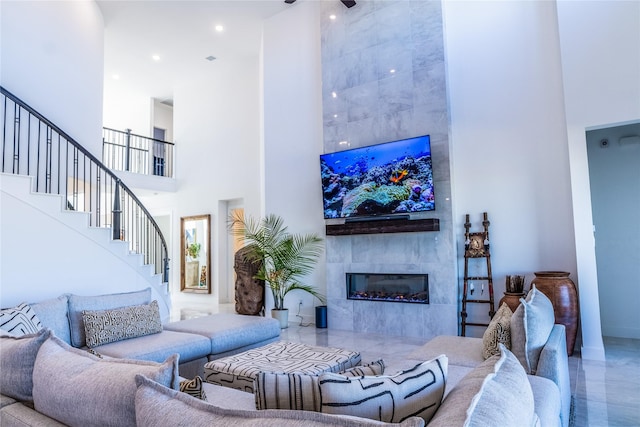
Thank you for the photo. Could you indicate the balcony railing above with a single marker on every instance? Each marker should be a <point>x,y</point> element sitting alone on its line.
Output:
<point>32,145</point>
<point>126,151</point>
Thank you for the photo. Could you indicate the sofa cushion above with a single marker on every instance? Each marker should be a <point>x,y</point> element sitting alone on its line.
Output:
<point>157,347</point>
<point>497,392</point>
<point>228,331</point>
<point>414,392</point>
<point>547,401</point>
<point>19,320</point>
<point>79,389</point>
<point>531,325</point>
<point>460,351</point>
<point>158,405</point>
<point>498,332</point>
<point>53,314</point>
<point>105,326</point>
<point>79,303</point>
<point>193,388</point>
<point>300,391</point>
<point>17,357</point>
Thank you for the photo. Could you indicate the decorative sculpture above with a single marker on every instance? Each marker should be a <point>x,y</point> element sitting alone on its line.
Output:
<point>249,290</point>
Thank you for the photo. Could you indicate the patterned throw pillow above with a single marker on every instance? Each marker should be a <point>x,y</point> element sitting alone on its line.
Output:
<point>300,391</point>
<point>105,326</point>
<point>193,388</point>
<point>414,392</point>
<point>498,332</point>
<point>20,320</point>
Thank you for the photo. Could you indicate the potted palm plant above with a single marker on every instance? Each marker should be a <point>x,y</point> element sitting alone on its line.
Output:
<point>286,258</point>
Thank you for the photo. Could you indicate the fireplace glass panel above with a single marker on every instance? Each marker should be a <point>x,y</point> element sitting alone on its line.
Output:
<point>407,288</point>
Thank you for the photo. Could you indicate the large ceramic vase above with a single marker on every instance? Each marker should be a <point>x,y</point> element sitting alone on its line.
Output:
<point>512,299</point>
<point>563,295</point>
<point>281,316</point>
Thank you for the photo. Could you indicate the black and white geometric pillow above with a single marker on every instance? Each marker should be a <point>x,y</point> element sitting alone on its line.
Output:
<point>416,392</point>
<point>193,388</point>
<point>300,391</point>
<point>20,320</point>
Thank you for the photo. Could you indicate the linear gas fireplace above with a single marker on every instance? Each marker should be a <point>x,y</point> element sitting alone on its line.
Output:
<point>408,288</point>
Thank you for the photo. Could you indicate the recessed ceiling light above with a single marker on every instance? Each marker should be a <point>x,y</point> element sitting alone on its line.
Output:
<point>332,17</point>
<point>115,76</point>
<point>156,57</point>
<point>343,143</point>
<point>334,95</point>
<point>393,70</point>
<point>335,116</point>
<point>210,58</point>
<point>219,28</point>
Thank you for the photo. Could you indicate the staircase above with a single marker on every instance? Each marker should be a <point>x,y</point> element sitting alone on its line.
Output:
<point>67,223</point>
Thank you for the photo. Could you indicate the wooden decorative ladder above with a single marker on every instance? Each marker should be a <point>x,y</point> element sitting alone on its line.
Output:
<point>476,247</point>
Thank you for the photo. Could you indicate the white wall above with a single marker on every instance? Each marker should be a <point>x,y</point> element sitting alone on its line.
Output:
<point>125,108</point>
<point>510,156</point>
<point>52,58</point>
<point>216,122</point>
<point>600,46</point>
<point>293,131</point>
<point>47,252</point>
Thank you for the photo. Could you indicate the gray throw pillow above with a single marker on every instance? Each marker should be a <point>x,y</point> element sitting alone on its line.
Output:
<point>53,314</point>
<point>17,357</point>
<point>531,325</point>
<point>157,405</point>
<point>79,389</point>
<point>300,391</point>
<point>414,392</point>
<point>19,320</point>
<point>105,326</point>
<point>496,392</point>
<point>79,303</point>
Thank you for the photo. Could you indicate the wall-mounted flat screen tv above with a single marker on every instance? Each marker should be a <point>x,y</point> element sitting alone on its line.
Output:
<point>385,179</point>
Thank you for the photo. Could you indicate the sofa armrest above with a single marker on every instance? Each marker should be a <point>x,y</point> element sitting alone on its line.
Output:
<point>554,365</point>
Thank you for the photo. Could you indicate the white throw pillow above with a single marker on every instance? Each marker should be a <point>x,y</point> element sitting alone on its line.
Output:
<point>531,325</point>
<point>496,392</point>
<point>414,392</point>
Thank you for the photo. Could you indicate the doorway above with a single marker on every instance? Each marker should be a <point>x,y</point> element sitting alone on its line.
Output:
<point>614,176</point>
<point>233,243</point>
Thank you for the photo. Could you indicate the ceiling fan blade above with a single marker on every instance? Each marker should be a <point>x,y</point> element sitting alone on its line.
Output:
<point>348,3</point>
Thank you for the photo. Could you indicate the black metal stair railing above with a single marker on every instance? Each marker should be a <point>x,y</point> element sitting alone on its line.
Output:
<point>126,151</point>
<point>32,145</point>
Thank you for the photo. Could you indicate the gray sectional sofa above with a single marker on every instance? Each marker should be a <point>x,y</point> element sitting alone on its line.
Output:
<point>527,385</point>
<point>197,341</point>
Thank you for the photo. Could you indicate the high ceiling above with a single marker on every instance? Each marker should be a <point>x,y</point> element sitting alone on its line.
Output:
<point>182,34</point>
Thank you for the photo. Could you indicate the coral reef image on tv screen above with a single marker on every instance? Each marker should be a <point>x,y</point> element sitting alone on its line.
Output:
<point>391,178</point>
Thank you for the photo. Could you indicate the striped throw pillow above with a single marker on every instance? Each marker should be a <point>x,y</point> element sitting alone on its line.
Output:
<point>300,391</point>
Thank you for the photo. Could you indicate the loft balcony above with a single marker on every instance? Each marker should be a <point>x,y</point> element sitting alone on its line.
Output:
<point>147,163</point>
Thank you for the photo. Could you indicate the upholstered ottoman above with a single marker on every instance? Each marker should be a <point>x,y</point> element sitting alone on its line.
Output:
<point>280,357</point>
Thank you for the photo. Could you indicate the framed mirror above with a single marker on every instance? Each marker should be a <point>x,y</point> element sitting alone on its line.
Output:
<point>195,254</point>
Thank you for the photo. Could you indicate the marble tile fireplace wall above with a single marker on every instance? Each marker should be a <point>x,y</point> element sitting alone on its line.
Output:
<point>383,76</point>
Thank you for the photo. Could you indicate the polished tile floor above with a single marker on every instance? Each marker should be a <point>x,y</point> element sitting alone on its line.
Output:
<point>605,393</point>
